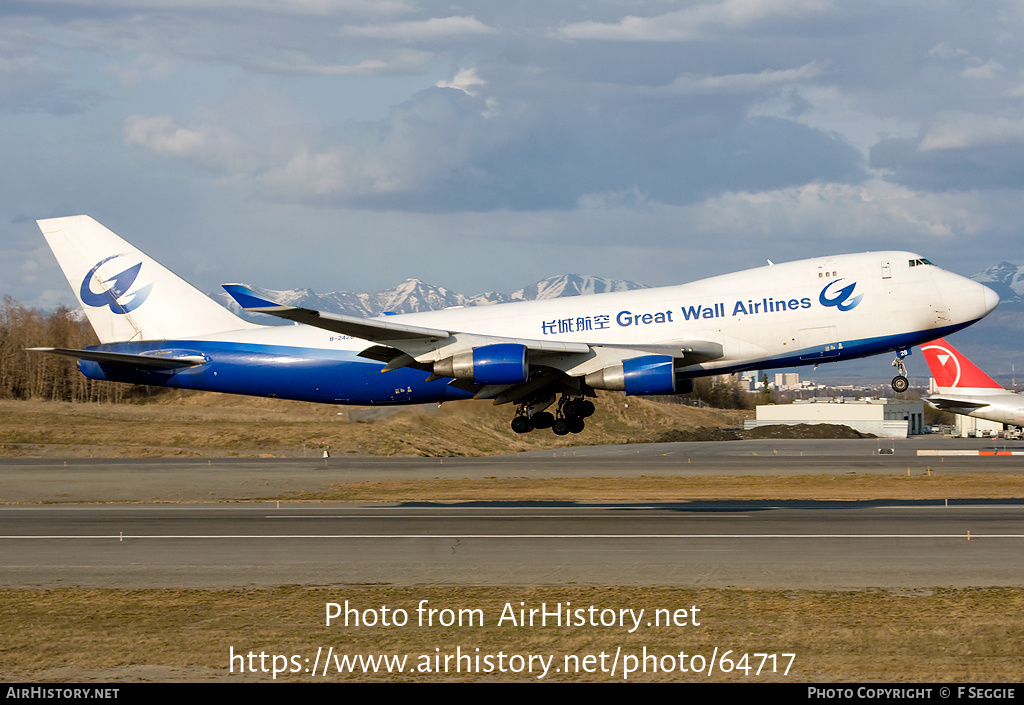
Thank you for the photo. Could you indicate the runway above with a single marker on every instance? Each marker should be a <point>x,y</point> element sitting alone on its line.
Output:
<point>769,545</point>
<point>750,544</point>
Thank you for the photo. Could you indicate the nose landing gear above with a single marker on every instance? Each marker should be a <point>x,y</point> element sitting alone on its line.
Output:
<point>900,383</point>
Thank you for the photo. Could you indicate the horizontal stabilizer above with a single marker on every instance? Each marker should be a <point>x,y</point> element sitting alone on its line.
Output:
<point>151,361</point>
<point>941,402</point>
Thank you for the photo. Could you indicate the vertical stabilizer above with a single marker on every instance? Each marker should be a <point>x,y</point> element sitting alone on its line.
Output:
<point>127,295</point>
<point>952,371</point>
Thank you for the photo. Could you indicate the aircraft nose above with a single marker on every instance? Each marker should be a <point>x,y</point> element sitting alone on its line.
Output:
<point>991,299</point>
<point>968,300</point>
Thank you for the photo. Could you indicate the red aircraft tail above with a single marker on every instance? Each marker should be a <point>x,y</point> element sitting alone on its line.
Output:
<point>952,370</point>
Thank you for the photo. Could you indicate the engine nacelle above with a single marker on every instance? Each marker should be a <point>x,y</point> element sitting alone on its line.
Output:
<point>649,374</point>
<point>502,363</point>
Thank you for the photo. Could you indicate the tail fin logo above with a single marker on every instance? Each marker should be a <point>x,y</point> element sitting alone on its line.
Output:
<point>117,287</point>
<point>947,370</point>
<point>843,299</point>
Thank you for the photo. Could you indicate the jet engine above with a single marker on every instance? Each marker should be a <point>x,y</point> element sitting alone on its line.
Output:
<point>502,363</point>
<point>649,374</point>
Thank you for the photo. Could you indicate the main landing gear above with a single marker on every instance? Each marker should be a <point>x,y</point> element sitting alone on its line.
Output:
<point>900,383</point>
<point>567,419</point>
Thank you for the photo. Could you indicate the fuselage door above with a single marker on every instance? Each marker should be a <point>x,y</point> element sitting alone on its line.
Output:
<point>886,271</point>
<point>818,343</point>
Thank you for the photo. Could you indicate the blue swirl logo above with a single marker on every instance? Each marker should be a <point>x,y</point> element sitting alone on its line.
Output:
<point>843,299</point>
<point>117,287</point>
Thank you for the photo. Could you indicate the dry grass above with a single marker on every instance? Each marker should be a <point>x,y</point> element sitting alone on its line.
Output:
<point>215,425</point>
<point>874,635</point>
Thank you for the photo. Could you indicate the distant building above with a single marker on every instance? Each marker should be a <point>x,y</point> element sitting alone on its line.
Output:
<point>971,427</point>
<point>787,380</point>
<point>886,418</point>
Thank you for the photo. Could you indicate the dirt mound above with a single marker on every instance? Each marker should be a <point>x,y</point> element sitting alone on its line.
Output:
<point>704,433</point>
<point>805,430</point>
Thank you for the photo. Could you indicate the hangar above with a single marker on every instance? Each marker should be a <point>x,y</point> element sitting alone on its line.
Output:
<point>886,418</point>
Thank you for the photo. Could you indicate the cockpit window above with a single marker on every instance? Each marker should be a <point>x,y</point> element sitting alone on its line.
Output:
<point>919,262</point>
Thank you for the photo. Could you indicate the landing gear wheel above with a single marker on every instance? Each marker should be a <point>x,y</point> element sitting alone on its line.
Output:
<point>900,383</point>
<point>560,427</point>
<point>587,408</point>
<point>521,424</point>
<point>543,419</point>
<point>575,424</point>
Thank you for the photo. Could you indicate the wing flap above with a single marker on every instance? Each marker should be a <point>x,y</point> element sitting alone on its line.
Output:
<point>690,351</point>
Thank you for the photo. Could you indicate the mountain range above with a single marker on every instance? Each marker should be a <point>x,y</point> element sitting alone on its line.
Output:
<point>414,295</point>
<point>1005,279</point>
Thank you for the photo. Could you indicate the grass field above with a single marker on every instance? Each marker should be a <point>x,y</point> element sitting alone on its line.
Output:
<point>218,425</point>
<point>941,635</point>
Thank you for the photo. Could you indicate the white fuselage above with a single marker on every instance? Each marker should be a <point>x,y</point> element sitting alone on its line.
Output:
<point>1001,406</point>
<point>780,315</point>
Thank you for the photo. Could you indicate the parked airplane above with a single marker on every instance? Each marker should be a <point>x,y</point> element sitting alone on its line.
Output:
<point>154,328</point>
<point>964,389</point>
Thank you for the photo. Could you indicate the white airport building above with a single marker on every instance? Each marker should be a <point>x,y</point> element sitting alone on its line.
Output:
<point>971,427</point>
<point>885,418</point>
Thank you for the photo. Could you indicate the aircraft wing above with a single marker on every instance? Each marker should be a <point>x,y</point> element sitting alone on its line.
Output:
<point>942,402</point>
<point>151,361</point>
<point>404,345</point>
<point>379,331</point>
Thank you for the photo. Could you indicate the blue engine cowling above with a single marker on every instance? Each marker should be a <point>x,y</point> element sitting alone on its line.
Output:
<point>502,363</point>
<point>650,374</point>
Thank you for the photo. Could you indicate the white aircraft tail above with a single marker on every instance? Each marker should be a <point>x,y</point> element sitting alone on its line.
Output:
<point>127,295</point>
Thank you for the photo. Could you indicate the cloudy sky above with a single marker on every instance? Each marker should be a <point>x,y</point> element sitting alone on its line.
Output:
<point>350,144</point>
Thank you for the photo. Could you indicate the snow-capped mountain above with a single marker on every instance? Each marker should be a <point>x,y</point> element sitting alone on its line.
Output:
<point>1005,279</point>
<point>414,295</point>
<point>571,285</point>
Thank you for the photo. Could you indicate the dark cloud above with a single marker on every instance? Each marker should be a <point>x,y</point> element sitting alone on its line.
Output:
<point>966,168</point>
<point>447,150</point>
